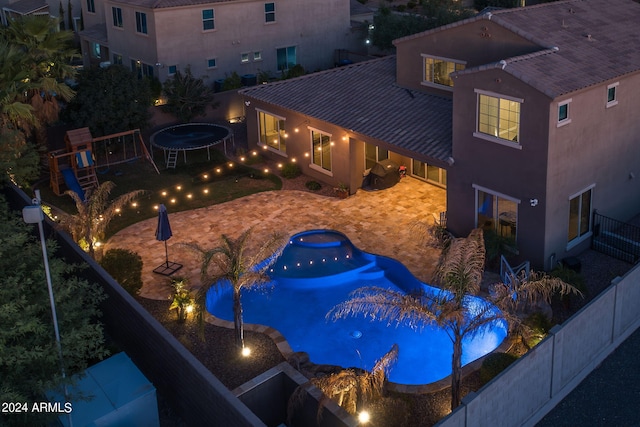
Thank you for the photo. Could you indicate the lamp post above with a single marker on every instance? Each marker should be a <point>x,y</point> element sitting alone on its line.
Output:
<point>31,215</point>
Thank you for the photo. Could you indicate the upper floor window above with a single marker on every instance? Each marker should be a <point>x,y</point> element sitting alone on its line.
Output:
<point>286,57</point>
<point>498,118</point>
<point>321,150</point>
<point>257,56</point>
<point>437,71</point>
<point>563,113</point>
<point>117,16</point>
<point>244,57</point>
<point>91,6</point>
<point>612,95</point>
<point>141,22</point>
<point>580,215</point>
<point>269,12</point>
<point>271,131</point>
<point>207,20</point>
<point>211,63</point>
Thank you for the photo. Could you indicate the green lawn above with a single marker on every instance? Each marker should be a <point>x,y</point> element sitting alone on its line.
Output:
<point>197,184</point>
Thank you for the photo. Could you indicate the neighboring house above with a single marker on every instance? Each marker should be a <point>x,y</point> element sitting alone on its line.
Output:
<point>12,9</point>
<point>215,38</point>
<point>528,116</point>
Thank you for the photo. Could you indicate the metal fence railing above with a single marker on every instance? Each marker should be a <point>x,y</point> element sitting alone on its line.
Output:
<point>615,238</point>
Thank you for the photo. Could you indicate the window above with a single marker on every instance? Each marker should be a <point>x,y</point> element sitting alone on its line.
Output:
<point>580,215</point>
<point>117,59</point>
<point>496,212</point>
<point>428,172</point>
<point>207,20</point>
<point>269,12</point>
<point>141,68</point>
<point>499,118</point>
<point>91,6</point>
<point>321,150</point>
<point>437,71</point>
<point>96,50</point>
<point>373,155</point>
<point>172,69</point>
<point>563,113</point>
<point>211,63</point>
<point>286,57</point>
<point>257,56</point>
<point>141,22</point>
<point>117,16</point>
<point>244,57</point>
<point>612,96</point>
<point>271,129</point>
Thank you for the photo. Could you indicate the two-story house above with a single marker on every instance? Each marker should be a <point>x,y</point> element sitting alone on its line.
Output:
<point>215,38</point>
<point>527,116</point>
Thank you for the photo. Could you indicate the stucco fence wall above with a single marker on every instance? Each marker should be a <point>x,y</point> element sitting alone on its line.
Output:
<point>192,389</point>
<point>525,392</point>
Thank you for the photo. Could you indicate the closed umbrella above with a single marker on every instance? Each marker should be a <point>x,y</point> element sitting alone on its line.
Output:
<point>163,233</point>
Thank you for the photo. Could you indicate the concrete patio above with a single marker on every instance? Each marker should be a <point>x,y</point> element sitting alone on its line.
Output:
<point>377,222</point>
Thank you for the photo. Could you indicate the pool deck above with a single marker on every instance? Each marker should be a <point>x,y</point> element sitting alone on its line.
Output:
<point>376,222</point>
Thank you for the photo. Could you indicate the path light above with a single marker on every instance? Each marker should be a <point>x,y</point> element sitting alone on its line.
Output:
<point>364,417</point>
<point>173,200</point>
<point>206,191</point>
<point>205,176</point>
<point>164,193</point>
<point>189,196</point>
<point>179,187</point>
<point>246,351</point>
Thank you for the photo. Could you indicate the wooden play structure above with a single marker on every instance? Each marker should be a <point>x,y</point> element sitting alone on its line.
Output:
<point>76,167</point>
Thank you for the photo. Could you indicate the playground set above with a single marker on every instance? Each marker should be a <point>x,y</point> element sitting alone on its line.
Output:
<point>77,166</point>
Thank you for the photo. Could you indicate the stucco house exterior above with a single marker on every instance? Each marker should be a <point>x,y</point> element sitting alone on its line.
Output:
<point>215,38</point>
<point>528,117</point>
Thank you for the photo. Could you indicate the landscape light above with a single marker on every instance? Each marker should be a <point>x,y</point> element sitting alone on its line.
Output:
<point>364,417</point>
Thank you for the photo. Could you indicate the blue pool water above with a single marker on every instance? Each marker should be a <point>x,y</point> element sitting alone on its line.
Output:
<point>317,270</point>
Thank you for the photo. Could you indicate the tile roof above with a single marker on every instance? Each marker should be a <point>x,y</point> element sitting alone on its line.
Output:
<point>161,4</point>
<point>364,98</point>
<point>96,33</point>
<point>583,43</point>
<point>25,7</point>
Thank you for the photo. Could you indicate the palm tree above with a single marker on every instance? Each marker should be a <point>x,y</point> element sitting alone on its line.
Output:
<point>349,388</point>
<point>235,269</point>
<point>459,274</point>
<point>94,214</point>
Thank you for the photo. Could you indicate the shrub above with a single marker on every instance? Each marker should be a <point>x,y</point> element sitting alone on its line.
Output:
<point>313,185</point>
<point>291,170</point>
<point>125,267</point>
<point>233,81</point>
<point>181,298</point>
<point>493,364</point>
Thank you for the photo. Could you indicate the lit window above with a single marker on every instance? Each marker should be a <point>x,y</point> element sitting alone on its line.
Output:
<point>269,12</point>
<point>429,172</point>
<point>117,16</point>
<point>321,150</point>
<point>612,95</point>
<point>207,20</point>
<point>271,131</point>
<point>498,118</point>
<point>437,71</point>
<point>496,213</point>
<point>373,154</point>
<point>580,214</point>
<point>141,22</point>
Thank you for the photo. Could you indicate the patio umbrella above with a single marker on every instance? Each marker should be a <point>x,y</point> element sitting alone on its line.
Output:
<point>163,233</point>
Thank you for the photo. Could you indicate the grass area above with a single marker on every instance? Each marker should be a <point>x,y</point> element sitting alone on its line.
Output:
<point>198,183</point>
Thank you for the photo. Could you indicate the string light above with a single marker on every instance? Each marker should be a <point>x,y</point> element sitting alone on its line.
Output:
<point>164,193</point>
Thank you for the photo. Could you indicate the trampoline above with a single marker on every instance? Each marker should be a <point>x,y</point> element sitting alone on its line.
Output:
<point>190,136</point>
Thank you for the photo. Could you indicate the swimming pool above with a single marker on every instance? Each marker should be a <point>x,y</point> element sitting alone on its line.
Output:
<point>317,270</point>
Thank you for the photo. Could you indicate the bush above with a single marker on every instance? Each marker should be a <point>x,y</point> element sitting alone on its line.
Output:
<point>291,170</point>
<point>313,185</point>
<point>493,364</point>
<point>125,267</point>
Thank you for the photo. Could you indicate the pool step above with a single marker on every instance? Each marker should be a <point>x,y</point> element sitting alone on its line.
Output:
<point>372,273</point>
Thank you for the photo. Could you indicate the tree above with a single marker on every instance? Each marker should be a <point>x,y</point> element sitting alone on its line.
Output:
<point>29,359</point>
<point>187,96</point>
<point>94,214</point>
<point>459,274</point>
<point>110,100</point>
<point>235,269</point>
<point>349,388</point>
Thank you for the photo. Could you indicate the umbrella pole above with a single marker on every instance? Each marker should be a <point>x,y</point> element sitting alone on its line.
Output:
<point>166,252</point>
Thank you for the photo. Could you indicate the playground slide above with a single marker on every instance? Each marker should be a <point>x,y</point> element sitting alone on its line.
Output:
<point>72,182</point>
